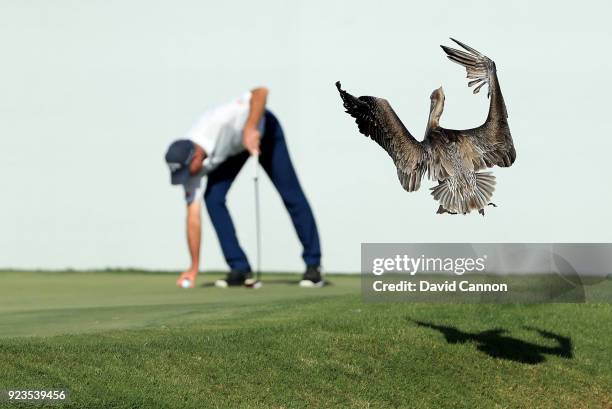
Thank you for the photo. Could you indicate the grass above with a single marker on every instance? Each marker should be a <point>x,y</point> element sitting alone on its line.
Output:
<point>132,340</point>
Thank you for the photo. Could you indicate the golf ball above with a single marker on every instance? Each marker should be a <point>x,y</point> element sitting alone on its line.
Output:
<point>186,283</point>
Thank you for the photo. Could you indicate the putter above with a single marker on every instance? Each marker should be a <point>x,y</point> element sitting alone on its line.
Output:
<point>257,283</point>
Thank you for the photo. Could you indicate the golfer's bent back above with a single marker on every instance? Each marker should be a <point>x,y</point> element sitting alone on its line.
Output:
<point>217,146</point>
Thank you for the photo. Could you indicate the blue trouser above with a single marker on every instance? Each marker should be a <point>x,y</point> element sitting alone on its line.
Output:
<point>275,160</point>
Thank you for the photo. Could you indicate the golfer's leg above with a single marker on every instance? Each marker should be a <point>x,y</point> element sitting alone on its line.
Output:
<point>219,182</point>
<point>277,164</point>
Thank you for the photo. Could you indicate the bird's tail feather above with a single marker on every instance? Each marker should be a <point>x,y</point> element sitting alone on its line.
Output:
<point>464,201</point>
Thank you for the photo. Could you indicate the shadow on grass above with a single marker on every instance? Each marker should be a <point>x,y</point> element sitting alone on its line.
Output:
<point>265,281</point>
<point>497,345</point>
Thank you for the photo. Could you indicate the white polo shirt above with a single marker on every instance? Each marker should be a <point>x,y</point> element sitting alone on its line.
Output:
<point>219,132</point>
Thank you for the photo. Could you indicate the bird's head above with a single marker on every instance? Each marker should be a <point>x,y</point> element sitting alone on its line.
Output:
<point>436,108</point>
<point>437,98</point>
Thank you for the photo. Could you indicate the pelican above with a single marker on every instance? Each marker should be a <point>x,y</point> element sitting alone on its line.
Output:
<point>453,158</point>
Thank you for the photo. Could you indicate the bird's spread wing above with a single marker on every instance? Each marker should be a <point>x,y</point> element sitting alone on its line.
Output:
<point>492,142</point>
<point>479,67</point>
<point>376,119</point>
<point>491,149</point>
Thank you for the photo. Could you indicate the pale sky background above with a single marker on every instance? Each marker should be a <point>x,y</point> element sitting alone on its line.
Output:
<point>91,93</point>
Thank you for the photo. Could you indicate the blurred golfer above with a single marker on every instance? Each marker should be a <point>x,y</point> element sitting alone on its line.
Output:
<point>217,146</point>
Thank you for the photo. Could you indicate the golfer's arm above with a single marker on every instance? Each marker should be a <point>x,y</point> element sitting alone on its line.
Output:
<point>257,106</point>
<point>193,233</point>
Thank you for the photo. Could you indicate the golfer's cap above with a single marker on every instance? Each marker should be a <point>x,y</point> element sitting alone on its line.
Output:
<point>178,158</point>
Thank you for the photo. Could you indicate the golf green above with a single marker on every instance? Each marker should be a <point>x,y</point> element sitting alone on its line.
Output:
<point>133,339</point>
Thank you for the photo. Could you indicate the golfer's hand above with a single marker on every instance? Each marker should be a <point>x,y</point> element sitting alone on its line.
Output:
<point>190,275</point>
<point>250,140</point>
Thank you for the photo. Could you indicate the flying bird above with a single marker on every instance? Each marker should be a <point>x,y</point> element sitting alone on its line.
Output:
<point>453,158</point>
